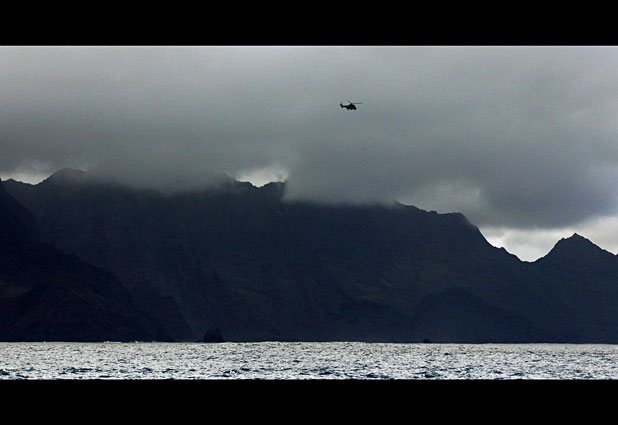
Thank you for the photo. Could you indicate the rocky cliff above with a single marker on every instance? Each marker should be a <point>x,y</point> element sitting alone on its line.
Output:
<point>47,295</point>
<point>258,267</point>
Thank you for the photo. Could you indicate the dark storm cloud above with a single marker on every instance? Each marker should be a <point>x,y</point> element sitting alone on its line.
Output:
<point>509,136</point>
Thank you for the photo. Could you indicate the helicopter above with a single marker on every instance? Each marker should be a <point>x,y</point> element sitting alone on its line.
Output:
<point>351,106</point>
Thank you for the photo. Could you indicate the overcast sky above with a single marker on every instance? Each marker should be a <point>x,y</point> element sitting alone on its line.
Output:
<point>522,140</point>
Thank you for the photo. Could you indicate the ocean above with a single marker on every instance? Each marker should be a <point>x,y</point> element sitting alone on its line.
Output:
<point>305,361</point>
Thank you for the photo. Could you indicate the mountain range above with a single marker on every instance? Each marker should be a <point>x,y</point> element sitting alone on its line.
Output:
<point>254,266</point>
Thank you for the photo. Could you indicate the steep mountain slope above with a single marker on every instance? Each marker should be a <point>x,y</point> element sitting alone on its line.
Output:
<point>258,267</point>
<point>581,290</point>
<point>48,295</point>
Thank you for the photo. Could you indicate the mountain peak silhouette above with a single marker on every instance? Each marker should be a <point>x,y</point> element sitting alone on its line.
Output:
<point>66,175</point>
<point>576,248</point>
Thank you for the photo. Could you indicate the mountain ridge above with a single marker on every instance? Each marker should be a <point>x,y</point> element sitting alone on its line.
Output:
<point>258,267</point>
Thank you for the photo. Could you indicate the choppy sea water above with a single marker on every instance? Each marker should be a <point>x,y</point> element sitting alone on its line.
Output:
<point>298,361</point>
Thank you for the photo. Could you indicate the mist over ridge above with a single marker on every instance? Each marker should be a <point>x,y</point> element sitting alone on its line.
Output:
<point>227,182</point>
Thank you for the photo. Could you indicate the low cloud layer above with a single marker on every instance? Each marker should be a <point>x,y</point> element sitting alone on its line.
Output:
<point>514,137</point>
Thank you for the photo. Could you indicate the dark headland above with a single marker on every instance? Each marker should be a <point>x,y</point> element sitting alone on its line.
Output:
<point>82,260</point>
